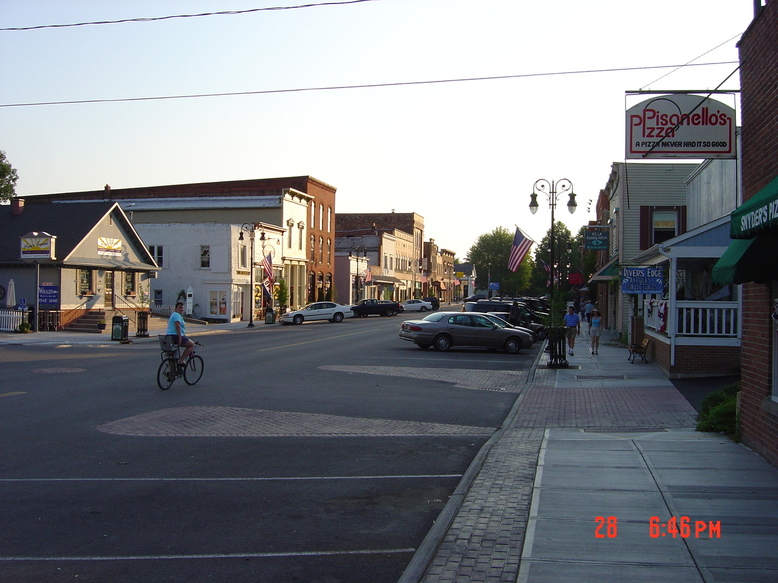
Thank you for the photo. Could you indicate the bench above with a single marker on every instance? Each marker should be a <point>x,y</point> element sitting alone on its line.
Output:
<point>638,350</point>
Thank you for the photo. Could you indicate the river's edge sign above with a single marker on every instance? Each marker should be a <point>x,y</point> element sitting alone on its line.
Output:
<point>642,280</point>
<point>680,126</point>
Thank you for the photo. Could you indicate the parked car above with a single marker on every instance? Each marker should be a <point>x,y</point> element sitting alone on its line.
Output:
<point>364,308</point>
<point>416,305</point>
<point>318,311</point>
<point>475,298</point>
<point>434,301</point>
<point>501,308</point>
<point>444,330</point>
<point>499,319</point>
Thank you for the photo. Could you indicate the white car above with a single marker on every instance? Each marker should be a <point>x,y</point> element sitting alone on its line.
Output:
<point>318,311</point>
<point>416,306</point>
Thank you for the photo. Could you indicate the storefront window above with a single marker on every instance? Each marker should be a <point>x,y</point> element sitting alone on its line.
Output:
<point>85,281</point>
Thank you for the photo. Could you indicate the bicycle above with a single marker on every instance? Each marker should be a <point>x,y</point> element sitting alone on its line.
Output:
<point>169,370</point>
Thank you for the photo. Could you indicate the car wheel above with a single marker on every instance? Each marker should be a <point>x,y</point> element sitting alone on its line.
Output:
<point>423,309</point>
<point>337,317</point>
<point>512,345</point>
<point>298,319</point>
<point>442,342</point>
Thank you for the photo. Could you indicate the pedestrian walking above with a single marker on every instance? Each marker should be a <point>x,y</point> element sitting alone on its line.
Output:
<point>588,310</point>
<point>572,328</point>
<point>595,329</point>
<point>514,314</point>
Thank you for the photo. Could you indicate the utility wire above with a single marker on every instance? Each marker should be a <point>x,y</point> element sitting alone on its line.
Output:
<point>171,17</point>
<point>343,87</point>
<point>692,61</point>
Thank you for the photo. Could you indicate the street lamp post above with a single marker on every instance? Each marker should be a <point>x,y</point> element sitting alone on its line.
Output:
<point>251,229</point>
<point>553,190</point>
<point>354,252</point>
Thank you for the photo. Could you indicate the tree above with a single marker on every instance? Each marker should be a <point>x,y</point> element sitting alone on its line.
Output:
<point>490,254</point>
<point>8,178</point>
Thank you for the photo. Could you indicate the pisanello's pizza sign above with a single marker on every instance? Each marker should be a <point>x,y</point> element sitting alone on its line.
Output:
<point>680,126</point>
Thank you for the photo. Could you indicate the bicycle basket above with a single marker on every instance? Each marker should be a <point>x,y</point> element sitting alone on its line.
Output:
<point>166,342</point>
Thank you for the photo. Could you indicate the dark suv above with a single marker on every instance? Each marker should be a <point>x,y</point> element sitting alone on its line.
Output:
<point>434,301</point>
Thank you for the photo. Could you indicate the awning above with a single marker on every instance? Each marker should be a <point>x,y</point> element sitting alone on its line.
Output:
<point>606,273</point>
<point>758,214</point>
<point>385,279</point>
<point>747,260</point>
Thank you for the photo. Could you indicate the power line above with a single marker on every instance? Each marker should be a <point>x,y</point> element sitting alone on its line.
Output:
<point>694,59</point>
<point>344,87</point>
<point>174,16</point>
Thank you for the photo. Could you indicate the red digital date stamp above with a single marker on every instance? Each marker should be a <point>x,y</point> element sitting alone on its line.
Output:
<point>683,527</point>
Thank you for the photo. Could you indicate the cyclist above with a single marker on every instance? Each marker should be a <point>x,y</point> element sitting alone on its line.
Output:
<point>177,327</point>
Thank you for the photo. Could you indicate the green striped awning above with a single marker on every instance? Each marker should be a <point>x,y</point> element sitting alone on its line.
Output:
<point>747,260</point>
<point>758,214</point>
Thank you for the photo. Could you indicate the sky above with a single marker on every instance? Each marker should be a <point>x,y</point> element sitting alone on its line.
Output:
<point>464,154</point>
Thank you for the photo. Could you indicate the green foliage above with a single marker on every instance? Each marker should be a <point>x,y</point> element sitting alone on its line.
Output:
<point>490,254</point>
<point>718,412</point>
<point>8,178</point>
<point>24,328</point>
<point>281,293</point>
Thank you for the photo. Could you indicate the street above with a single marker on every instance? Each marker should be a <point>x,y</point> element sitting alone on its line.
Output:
<point>321,452</point>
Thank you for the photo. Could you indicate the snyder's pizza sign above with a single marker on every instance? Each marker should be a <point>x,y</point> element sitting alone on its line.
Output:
<point>680,126</point>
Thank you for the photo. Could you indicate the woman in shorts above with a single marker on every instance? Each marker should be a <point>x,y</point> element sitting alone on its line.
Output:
<point>595,329</point>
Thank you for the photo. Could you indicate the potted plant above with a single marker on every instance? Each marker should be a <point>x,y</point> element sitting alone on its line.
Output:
<point>101,323</point>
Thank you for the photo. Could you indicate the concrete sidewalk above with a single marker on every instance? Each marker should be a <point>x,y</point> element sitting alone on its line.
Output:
<point>568,490</point>
<point>157,325</point>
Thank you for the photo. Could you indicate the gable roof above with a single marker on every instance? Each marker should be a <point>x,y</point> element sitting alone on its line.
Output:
<point>70,223</point>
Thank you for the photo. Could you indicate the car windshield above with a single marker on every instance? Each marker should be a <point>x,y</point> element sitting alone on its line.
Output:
<point>436,317</point>
<point>498,321</point>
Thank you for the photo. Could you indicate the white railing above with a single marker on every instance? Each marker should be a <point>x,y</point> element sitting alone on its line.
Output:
<point>10,320</point>
<point>718,319</point>
<point>707,319</point>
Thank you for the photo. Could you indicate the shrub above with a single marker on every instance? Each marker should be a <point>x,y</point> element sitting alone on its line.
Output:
<point>718,412</point>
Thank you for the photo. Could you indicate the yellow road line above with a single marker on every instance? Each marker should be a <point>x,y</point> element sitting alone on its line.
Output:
<point>13,393</point>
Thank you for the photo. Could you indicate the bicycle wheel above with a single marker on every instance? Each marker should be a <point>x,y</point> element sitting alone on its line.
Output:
<point>193,370</point>
<point>166,373</point>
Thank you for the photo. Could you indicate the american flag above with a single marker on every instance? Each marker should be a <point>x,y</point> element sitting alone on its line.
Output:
<point>548,270</point>
<point>267,263</point>
<point>521,245</point>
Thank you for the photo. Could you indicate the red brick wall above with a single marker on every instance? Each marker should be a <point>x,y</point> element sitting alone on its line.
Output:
<point>695,361</point>
<point>759,111</point>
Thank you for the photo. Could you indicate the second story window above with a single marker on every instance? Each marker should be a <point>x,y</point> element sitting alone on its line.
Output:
<point>664,226</point>
<point>157,252</point>
<point>660,223</point>
<point>205,256</point>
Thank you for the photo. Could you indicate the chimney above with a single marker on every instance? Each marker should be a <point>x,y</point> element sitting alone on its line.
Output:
<point>17,206</point>
<point>108,191</point>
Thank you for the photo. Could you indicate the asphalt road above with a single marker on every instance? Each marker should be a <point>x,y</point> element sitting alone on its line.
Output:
<point>322,452</point>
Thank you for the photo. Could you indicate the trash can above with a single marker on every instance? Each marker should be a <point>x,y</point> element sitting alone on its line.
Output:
<point>120,326</point>
<point>270,316</point>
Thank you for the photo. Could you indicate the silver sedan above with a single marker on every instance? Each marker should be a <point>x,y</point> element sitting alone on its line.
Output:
<point>417,306</point>
<point>444,330</point>
<point>318,311</point>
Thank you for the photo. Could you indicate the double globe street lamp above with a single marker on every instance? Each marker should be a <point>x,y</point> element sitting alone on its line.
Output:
<point>251,229</point>
<point>553,190</point>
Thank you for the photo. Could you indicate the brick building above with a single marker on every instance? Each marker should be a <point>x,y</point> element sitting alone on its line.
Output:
<point>302,208</point>
<point>750,258</point>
